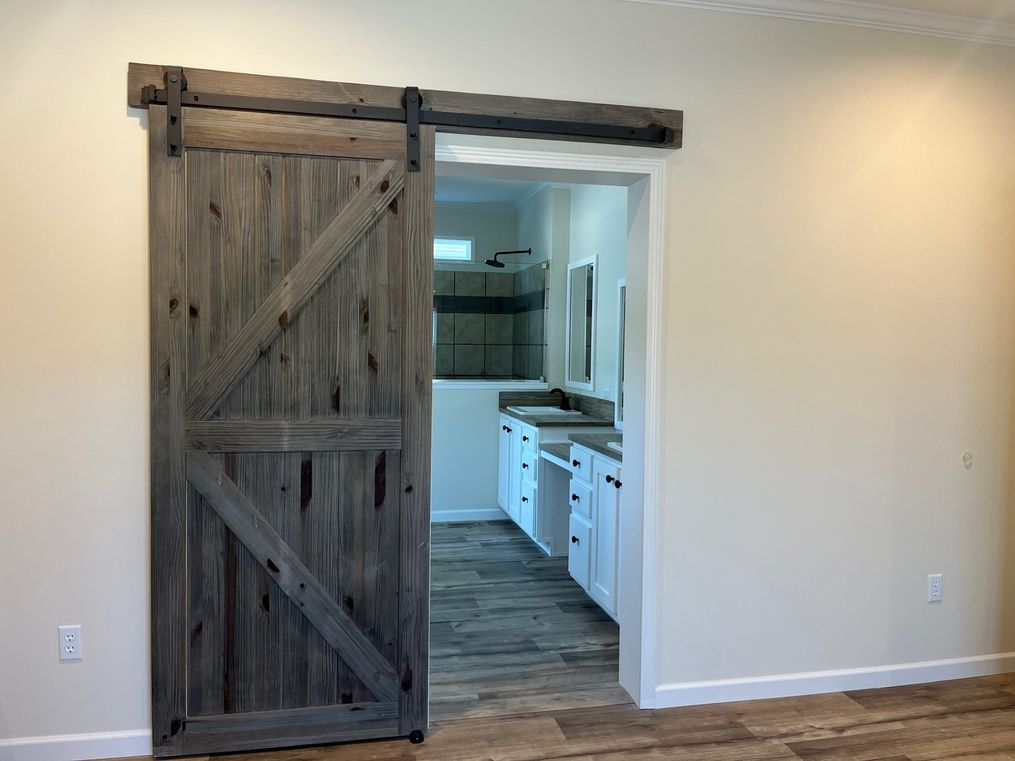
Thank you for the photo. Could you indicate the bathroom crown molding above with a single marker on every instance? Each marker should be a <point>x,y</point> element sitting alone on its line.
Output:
<point>860,14</point>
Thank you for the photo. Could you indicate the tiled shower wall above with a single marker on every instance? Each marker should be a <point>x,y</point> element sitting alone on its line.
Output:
<point>489,325</point>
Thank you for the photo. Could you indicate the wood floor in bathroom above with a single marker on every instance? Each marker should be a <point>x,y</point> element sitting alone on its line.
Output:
<point>510,631</point>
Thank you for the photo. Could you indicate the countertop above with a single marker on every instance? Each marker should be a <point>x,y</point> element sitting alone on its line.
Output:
<point>597,443</point>
<point>560,450</point>
<point>554,421</point>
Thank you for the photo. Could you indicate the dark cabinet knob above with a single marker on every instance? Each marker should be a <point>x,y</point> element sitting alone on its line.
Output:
<point>576,463</point>
<point>617,484</point>
<point>525,466</point>
<point>609,479</point>
<point>574,498</point>
<point>574,540</point>
<point>525,499</point>
<point>505,429</point>
<point>525,438</point>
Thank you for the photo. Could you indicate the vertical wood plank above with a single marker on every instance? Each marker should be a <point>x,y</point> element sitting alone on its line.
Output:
<point>414,513</point>
<point>168,309</point>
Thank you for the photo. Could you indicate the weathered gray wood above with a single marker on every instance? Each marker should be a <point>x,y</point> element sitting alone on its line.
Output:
<point>414,510</point>
<point>286,569</point>
<point>251,219</point>
<point>230,83</point>
<point>283,435</point>
<point>234,83</point>
<point>281,307</point>
<point>278,133</point>
<point>167,241</point>
<point>289,727</point>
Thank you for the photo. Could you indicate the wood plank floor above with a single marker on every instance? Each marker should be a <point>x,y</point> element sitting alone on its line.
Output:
<point>524,669</point>
<point>510,631</point>
<point>965,720</point>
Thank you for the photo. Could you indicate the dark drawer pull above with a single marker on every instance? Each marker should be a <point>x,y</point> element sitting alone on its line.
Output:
<point>525,438</point>
<point>525,466</point>
<point>576,463</point>
<point>505,429</point>
<point>575,498</point>
<point>525,499</point>
<point>617,484</point>
<point>574,540</point>
<point>609,479</point>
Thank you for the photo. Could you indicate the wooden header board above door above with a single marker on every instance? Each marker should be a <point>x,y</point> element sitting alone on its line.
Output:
<point>448,111</point>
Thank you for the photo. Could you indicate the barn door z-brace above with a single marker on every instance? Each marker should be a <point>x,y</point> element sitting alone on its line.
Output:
<point>413,112</point>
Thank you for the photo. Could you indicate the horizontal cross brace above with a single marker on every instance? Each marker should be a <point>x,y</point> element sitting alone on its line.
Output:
<point>575,129</point>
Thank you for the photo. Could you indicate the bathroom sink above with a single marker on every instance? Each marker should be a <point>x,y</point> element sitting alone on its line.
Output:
<point>617,446</point>
<point>547,411</point>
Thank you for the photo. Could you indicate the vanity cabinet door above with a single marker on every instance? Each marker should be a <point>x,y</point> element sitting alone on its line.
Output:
<point>507,480</point>
<point>605,544</point>
<point>503,464</point>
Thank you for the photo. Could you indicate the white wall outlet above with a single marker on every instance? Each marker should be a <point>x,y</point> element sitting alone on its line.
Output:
<point>935,587</point>
<point>71,644</point>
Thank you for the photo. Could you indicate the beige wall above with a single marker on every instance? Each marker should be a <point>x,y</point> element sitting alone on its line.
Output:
<point>839,319</point>
<point>491,231</point>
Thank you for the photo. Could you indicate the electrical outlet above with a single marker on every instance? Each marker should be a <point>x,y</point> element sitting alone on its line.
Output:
<point>71,644</point>
<point>935,587</point>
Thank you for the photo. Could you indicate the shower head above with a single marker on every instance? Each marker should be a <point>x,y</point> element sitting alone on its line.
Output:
<point>495,262</point>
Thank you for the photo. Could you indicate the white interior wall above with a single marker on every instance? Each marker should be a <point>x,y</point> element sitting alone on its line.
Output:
<point>464,436</point>
<point>544,225</point>
<point>598,222</point>
<point>838,322</point>
<point>464,472</point>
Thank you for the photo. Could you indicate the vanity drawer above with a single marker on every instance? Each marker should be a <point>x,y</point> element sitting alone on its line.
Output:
<point>578,550</point>
<point>580,498</point>
<point>530,465</point>
<point>530,439</point>
<point>581,463</point>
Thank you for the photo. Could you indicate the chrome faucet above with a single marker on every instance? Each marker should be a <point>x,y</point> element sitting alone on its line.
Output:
<point>564,403</point>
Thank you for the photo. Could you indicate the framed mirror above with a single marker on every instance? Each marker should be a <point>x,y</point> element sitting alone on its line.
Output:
<point>581,323</point>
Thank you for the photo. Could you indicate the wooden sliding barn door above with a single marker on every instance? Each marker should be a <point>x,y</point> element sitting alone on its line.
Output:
<point>291,301</point>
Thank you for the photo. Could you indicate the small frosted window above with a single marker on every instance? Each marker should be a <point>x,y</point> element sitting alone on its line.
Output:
<point>452,249</point>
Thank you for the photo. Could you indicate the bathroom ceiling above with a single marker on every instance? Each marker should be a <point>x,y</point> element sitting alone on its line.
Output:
<point>483,191</point>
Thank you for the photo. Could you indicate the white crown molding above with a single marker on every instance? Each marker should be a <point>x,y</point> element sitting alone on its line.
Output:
<point>536,190</point>
<point>477,208</point>
<point>868,15</point>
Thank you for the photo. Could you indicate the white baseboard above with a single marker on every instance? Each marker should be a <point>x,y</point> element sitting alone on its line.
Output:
<point>459,516</point>
<point>133,742</point>
<point>814,682</point>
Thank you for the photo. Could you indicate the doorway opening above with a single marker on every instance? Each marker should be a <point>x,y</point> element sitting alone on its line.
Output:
<point>545,334</point>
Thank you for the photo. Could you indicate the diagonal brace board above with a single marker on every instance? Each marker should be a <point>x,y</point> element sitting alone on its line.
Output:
<point>285,568</point>
<point>273,316</point>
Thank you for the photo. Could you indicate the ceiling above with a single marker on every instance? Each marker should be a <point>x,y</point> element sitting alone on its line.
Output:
<point>483,191</point>
<point>989,10</point>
